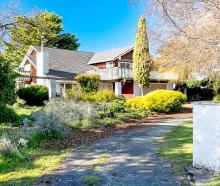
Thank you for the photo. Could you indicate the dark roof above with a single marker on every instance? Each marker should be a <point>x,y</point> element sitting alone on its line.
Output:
<point>109,55</point>
<point>67,63</point>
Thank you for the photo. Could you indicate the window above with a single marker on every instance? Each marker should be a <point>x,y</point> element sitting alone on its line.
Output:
<point>125,65</point>
<point>109,65</point>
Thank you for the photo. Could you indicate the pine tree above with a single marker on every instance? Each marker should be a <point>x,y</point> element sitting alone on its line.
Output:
<point>141,56</point>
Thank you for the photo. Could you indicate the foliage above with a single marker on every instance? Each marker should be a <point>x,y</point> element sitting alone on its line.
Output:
<point>58,115</point>
<point>159,101</point>
<point>193,83</point>
<point>29,30</point>
<point>217,98</point>
<point>99,96</point>
<point>7,83</point>
<point>117,105</point>
<point>7,114</point>
<point>141,56</point>
<point>65,41</point>
<point>34,94</point>
<point>91,180</point>
<point>88,82</point>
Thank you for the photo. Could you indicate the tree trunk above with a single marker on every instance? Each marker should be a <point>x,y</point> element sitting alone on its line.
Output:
<point>142,91</point>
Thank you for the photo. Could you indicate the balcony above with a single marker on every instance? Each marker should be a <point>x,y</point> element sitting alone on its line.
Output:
<point>114,73</point>
<point>117,73</point>
<point>23,75</point>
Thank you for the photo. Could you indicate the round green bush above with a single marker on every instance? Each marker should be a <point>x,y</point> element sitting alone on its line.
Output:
<point>34,94</point>
<point>7,115</point>
<point>159,101</point>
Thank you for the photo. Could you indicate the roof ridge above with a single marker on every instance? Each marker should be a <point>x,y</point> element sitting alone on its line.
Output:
<point>63,49</point>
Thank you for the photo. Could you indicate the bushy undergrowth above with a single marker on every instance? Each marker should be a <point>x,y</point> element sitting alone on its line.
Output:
<point>12,150</point>
<point>99,96</point>
<point>58,115</point>
<point>34,94</point>
<point>7,114</point>
<point>159,101</point>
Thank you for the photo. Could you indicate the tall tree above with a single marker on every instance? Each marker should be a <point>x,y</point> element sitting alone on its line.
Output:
<point>66,41</point>
<point>30,31</point>
<point>141,56</point>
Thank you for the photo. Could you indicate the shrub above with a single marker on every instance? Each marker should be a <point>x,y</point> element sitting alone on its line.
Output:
<point>88,82</point>
<point>12,151</point>
<point>7,114</point>
<point>103,96</point>
<point>99,96</point>
<point>159,101</point>
<point>117,105</point>
<point>34,94</point>
<point>58,115</point>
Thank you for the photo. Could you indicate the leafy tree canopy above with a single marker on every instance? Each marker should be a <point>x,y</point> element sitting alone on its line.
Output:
<point>30,30</point>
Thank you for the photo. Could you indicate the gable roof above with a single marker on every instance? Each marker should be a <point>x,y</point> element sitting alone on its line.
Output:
<point>66,63</point>
<point>109,55</point>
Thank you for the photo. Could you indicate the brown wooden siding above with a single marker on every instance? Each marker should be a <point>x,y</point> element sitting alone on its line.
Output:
<point>127,56</point>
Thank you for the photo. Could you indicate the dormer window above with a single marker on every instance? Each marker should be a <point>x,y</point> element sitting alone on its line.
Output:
<point>109,65</point>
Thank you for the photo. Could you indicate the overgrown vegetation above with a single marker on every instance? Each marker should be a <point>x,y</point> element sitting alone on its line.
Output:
<point>34,94</point>
<point>88,82</point>
<point>176,146</point>
<point>20,163</point>
<point>159,101</point>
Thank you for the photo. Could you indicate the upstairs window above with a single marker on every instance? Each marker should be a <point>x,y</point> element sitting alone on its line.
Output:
<point>109,65</point>
<point>125,65</point>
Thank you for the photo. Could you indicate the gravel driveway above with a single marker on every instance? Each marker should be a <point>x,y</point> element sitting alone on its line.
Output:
<point>125,159</point>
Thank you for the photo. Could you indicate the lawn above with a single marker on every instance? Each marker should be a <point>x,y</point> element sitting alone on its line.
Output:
<point>39,161</point>
<point>176,146</point>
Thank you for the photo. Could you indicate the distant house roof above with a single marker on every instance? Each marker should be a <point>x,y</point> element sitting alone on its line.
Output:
<point>109,55</point>
<point>66,63</point>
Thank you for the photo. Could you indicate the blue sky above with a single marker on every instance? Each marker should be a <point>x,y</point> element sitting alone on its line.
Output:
<point>99,24</point>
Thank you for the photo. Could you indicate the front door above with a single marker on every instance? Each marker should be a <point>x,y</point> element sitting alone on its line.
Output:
<point>127,90</point>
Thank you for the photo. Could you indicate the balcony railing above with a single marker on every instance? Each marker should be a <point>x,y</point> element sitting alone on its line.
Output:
<point>23,75</point>
<point>117,73</point>
<point>113,73</point>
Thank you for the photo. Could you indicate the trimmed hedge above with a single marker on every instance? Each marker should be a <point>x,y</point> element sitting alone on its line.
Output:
<point>159,101</point>
<point>34,94</point>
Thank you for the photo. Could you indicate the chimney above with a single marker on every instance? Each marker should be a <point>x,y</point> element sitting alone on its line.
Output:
<point>42,65</point>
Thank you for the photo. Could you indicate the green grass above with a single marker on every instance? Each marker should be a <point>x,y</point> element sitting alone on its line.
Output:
<point>176,146</point>
<point>39,161</point>
<point>91,180</point>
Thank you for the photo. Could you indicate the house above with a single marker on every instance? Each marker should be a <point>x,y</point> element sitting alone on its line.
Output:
<point>57,68</point>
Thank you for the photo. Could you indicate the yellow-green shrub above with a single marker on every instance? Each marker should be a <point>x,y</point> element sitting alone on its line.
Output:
<point>99,96</point>
<point>159,101</point>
